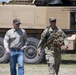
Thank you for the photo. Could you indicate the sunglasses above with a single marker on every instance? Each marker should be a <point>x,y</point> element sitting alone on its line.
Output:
<point>18,24</point>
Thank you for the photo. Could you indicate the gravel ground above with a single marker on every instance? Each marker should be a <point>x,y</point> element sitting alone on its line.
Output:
<point>40,69</point>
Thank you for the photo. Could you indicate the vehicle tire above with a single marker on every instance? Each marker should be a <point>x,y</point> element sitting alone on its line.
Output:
<point>3,56</point>
<point>30,53</point>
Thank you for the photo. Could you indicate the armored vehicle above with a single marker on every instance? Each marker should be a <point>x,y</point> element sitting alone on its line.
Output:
<point>34,20</point>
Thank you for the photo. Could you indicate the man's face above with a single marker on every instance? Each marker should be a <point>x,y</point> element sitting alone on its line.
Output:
<point>53,24</point>
<point>16,26</point>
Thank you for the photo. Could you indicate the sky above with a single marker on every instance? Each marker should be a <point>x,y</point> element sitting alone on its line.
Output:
<point>4,1</point>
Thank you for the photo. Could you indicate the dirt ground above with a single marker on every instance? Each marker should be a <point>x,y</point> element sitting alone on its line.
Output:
<point>40,69</point>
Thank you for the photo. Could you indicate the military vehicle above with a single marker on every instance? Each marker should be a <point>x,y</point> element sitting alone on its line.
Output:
<point>34,20</point>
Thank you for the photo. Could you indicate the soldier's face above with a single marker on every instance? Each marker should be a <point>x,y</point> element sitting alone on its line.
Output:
<point>53,24</point>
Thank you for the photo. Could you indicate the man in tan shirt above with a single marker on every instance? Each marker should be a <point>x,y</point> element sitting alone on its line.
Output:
<point>15,43</point>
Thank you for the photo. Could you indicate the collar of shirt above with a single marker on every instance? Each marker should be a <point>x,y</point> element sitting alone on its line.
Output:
<point>14,30</point>
<point>56,28</point>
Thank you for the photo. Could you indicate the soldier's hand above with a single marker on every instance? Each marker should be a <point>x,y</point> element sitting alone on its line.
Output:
<point>38,53</point>
<point>64,47</point>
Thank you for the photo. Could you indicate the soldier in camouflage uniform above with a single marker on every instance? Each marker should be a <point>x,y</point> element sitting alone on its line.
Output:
<point>53,39</point>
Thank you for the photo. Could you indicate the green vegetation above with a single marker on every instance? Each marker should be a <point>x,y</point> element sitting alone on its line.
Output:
<point>69,58</point>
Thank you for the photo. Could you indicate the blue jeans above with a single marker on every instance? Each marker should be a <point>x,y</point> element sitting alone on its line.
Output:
<point>16,56</point>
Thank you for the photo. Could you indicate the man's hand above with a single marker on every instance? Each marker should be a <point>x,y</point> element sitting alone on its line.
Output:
<point>38,53</point>
<point>64,47</point>
<point>8,51</point>
<point>22,48</point>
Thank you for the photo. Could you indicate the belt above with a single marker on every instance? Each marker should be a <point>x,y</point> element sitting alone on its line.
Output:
<point>15,48</point>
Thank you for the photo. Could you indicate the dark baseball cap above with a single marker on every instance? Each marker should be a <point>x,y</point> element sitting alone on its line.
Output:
<point>51,19</point>
<point>16,21</point>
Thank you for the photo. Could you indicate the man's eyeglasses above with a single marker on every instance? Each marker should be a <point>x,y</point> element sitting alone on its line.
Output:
<point>18,24</point>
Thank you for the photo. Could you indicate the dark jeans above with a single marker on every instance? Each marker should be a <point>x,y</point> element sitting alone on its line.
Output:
<point>16,56</point>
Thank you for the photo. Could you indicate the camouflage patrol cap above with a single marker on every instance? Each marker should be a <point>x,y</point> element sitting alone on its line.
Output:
<point>16,21</point>
<point>51,19</point>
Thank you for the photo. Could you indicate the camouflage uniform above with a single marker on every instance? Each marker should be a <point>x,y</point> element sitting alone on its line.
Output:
<point>53,53</point>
